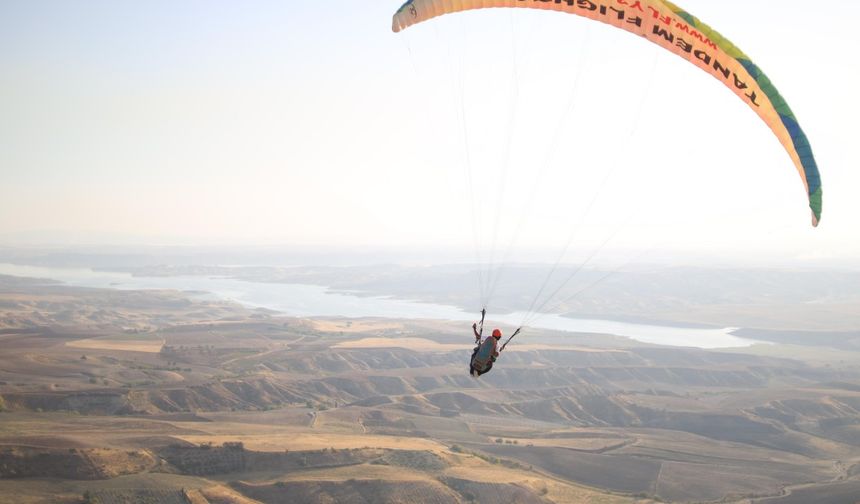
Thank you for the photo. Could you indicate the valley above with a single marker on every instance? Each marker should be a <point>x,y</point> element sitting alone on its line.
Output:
<point>152,396</point>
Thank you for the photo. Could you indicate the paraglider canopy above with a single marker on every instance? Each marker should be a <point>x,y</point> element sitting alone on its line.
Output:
<point>677,31</point>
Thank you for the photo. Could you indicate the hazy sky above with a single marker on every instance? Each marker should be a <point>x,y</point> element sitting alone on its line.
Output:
<point>253,122</point>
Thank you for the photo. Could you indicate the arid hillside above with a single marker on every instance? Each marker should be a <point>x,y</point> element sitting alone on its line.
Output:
<point>132,396</point>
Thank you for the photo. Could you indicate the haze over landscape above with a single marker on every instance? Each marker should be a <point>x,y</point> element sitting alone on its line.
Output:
<point>242,246</point>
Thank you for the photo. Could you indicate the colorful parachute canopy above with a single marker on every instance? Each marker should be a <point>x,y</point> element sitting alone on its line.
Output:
<point>674,29</point>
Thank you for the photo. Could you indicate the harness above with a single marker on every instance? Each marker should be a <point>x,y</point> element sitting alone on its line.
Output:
<point>483,354</point>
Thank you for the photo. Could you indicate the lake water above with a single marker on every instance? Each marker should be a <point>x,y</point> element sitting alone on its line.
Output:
<point>317,301</point>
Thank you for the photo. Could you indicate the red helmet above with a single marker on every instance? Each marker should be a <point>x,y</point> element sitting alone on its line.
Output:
<point>497,333</point>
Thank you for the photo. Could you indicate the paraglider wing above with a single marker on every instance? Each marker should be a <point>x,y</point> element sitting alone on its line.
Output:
<point>674,29</point>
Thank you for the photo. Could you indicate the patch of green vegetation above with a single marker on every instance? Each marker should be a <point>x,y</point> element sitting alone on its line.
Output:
<point>492,460</point>
<point>413,459</point>
<point>2,404</point>
<point>89,498</point>
<point>139,383</point>
<point>152,367</point>
<point>510,464</point>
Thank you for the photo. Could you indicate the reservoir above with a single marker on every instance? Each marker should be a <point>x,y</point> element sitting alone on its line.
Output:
<point>300,300</point>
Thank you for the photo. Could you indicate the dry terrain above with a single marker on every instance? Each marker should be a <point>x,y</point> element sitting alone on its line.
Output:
<point>113,397</point>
